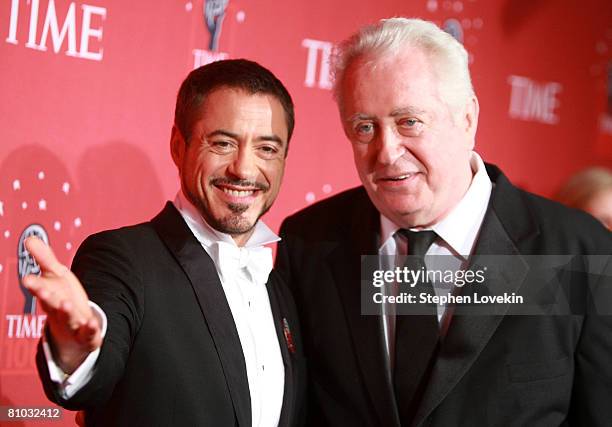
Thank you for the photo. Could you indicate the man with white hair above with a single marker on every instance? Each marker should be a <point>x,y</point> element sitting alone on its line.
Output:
<point>407,106</point>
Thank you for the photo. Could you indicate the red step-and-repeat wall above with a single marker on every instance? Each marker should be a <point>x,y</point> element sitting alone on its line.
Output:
<point>87,91</point>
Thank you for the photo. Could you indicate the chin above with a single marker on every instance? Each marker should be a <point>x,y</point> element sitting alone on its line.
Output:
<point>401,208</point>
<point>235,225</point>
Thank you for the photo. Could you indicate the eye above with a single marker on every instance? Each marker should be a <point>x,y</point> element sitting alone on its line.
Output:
<point>410,126</point>
<point>364,128</point>
<point>409,122</point>
<point>222,146</point>
<point>364,131</point>
<point>268,151</point>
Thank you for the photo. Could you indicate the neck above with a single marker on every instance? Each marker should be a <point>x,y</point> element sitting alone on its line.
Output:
<point>242,239</point>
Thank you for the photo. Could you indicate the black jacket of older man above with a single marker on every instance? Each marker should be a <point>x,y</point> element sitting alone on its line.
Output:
<point>490,370</point>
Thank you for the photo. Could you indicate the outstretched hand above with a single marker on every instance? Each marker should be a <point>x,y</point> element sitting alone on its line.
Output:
<point>74,329</point>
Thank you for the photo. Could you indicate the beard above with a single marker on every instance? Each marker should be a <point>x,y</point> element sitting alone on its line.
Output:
<point>238,208</point>
<point>234,224</point>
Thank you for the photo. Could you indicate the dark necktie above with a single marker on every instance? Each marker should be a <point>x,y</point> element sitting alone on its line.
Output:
<point>416,336</point>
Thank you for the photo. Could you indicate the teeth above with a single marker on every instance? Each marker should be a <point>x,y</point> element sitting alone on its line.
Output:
<point>237,193</point>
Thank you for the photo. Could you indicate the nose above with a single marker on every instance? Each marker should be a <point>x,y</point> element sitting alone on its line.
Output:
<point>389,146</point>
<point>244,164</point>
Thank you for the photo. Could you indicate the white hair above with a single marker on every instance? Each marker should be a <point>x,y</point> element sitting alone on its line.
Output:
<point>396,36</point>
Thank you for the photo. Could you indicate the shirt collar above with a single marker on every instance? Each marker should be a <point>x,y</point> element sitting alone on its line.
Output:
<point>207,236</point>
<point>460,227</point>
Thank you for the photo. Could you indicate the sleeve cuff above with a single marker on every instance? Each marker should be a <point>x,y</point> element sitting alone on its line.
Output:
<point>69,385</point>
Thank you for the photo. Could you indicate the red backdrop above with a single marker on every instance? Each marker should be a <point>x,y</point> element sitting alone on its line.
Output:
<point>87,94</point>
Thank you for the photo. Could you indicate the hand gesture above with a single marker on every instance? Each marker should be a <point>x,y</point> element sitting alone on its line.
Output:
<point>74,329</point>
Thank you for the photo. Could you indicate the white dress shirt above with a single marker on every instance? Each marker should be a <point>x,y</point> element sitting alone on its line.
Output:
<point>243,272</point>
<point>457,234</point>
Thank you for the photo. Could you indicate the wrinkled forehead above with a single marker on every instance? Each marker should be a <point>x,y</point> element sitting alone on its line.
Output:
<point>394,79</point>
<point>238,111</point>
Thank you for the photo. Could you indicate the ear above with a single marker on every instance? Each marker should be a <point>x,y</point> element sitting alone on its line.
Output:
<point>177,147</point>
<point>472,110</point>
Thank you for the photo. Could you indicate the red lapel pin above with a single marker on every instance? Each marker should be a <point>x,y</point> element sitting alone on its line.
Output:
<point>288,336</point>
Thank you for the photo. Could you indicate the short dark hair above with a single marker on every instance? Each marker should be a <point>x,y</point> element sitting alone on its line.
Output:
<point>232,73</point>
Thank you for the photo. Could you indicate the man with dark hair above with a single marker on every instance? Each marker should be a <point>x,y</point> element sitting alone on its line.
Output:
<point>238,74</point>
<point>410,113</point>
<point>180,320</point>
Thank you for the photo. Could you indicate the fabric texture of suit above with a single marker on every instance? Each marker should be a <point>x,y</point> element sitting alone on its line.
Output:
<point>171,355</point>
<point>490,370</point>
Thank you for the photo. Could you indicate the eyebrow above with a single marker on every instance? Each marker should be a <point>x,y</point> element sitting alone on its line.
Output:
<point>407,110</point>
<point>397,112</point>
<point>359,116</point>
<point>223,132</point>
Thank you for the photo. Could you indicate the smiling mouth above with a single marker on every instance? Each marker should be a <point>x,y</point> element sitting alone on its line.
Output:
<point>238,193</point>
<point>397,178</point>
<point>238,188</point>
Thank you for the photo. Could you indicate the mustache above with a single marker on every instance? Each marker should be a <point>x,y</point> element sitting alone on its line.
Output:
<point>240,183</point>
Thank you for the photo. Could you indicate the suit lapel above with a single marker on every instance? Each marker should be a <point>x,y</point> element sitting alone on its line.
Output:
<point>504,224</point>
<point>366,330</point>
<point>280,322</point>
<point>202,274</point>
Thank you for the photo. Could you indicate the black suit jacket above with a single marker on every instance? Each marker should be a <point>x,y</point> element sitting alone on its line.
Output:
<point>494,370</point>
<point>171,355</point>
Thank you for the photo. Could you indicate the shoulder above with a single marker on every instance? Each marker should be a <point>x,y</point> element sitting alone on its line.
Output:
<point>139,244</point>
<point>329,214</point>
<point>129,238</point>
<point>138,239</point>
<point>126,252</point>
<point>554,225</point>
<point>572,228</point>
